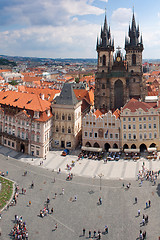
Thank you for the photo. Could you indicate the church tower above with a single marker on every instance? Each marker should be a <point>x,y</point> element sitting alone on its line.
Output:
<point>134,48</point>
<point>105,50</point>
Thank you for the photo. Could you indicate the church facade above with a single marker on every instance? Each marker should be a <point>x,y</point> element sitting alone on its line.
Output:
<point>118,78</point>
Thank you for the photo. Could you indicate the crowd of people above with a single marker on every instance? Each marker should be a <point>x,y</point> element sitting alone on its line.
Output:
<point>19,230</point>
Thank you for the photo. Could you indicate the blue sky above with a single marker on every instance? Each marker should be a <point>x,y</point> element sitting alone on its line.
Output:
<point>69,28</point>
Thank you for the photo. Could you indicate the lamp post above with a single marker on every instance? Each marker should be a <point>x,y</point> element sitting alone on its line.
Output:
<point>100,176</point>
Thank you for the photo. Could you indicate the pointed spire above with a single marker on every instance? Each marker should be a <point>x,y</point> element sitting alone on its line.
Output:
<point>141,39</point>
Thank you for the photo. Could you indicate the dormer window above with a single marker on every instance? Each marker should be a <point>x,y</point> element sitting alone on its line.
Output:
<point>36,114</point>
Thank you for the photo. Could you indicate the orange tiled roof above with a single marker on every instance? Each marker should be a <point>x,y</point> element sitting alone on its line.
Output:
<point>134,104</point>
<point>97,113</point>
<point>117,113</point>
<point>24,100</point>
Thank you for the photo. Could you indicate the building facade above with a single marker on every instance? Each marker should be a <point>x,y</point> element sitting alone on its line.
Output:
<point>67,120</point>
<point>118,79</point>
<point>25,123</point>
<point>140,125</point>
<point>101,131</point>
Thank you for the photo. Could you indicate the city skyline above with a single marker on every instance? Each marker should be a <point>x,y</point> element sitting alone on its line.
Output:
<point>69,29</point>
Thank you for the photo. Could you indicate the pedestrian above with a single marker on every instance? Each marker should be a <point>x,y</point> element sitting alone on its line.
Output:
<point>99,236</point>
<point>22,190</point>
<point>62,191</point>
<point>100,201</point>
<point>94,233</point>
<point>54,180</point>
<point>143,221</point>
<point>84,230</point>
<point>52,210</point>
<point>139,212</point>
<point>89,234</point>
<point>59,170</point>
<point>144,235</point>
<point>75,198</point>
<point>123,184</point>
<point>149,203</point>
<point>6,173</point>
<point>56,226</point>
<point>29,203</point>
<point>55,195</point>
<point>106,229</point>
<point>146,205</point>
<point>135,199</point>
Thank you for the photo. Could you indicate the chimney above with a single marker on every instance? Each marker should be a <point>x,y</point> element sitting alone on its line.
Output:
<point>42,96</point>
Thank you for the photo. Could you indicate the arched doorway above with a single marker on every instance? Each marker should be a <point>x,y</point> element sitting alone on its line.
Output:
<point>22,148</point>
<point>142,147</point>
<point>115,145</point>
<point>152,145</point>
<point>133,146</point>
<point>107,146</point>
<point>118,94</point>
<point>96,145</point>
<point>125,146</point>
<point>88,144</point>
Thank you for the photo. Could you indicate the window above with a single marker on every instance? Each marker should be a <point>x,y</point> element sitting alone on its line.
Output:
<point>144,119</point>
<point>149,118</point>
<point>22,135</point>
<point>56,128</point>
<point>38,125</point>
<point>9,119</point>
<point>57,116</point>
<point>69,117</point>
<point>90,134</point>
<point>129,126</point>
<point>18,121</point>
<point>87,123</point>
<point>129,136</point>
<point>63,118</point>
<point>13,120</point>
<point>95,135</point>
<point>22,123</point>
<point>13,144</point>
<point>27,124</point>
<point>62,129</point>
<point>9,130</point>
<point>104,60</point>
<point>38,138</point>
<point>155,135</point>
<point>134,126</point>
<point>144,126</point>
<point>6,118</point>
<point>154,125</point>
<point>150,135</point>
<point>145,136</point>
<point>5,129</point>
<point>26,135</point>
<point>103,86</point>
<point>85,134</point>
<point>134,136</point>
<point>124,126</point>
<point>116,135</point>
<point>129,119</point>
<point>140,126</point>
<point>69,130</point>
<point>124,119</point>
<point>150,126</point>
<point>5,141</point>
<point>140,136</point>
<point>37,152</point>
<point>140,119</point>
<point>134,119</point>
<point>9,143</point>
<point>154,118</point>
<point>18,135</point>
<point>32,137</point>
<point>111,135</point>
<point>133,59</point>
<point>68,144</point>
<point>124,136</point>
<point>33,125</point>
<point>13,132</point>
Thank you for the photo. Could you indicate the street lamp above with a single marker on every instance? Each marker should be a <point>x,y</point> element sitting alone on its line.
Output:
<point>100,176</point>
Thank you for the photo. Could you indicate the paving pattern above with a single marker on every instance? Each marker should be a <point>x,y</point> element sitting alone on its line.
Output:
<point>118,210</point>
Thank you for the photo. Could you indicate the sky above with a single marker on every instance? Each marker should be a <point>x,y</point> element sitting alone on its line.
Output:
<point>69,28</point>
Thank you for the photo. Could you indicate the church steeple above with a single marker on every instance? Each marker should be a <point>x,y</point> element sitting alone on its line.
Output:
<point>133,33</point>
<point>105,41</point>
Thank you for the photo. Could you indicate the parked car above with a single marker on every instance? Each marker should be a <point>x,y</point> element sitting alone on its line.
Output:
<point>65,152</point>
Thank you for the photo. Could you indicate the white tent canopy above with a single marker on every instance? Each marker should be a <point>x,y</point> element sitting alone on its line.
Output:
<point>114,150</point>
<point>129,150</point>
<point>91,149</point>
<point>152,149</point>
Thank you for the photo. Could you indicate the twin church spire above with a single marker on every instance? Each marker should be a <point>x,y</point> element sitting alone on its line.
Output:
<point>106,42</point>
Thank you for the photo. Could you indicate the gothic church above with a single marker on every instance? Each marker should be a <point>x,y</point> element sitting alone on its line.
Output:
<point>118,79</point>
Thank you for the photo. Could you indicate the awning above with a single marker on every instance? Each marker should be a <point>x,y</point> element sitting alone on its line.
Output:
<point>129,150</point>
<point>91,149</point>
<point>152,149</point>
<point>114,150</point>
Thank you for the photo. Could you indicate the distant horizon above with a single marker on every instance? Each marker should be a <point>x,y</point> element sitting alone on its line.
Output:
<point>69,29</point>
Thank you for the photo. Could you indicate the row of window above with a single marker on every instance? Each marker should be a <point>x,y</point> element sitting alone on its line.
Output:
<point>93,123</point>
<point>63,129</point>
<point>63,117</point>
<point>23,123</point>
<point>141,136</point>
<point>9,143</point>
<point>140,119</point>
<point>56,143</point>
<point>144,126</point>
<point>106,135</point>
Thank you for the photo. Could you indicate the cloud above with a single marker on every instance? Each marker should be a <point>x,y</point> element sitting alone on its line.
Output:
<point>121,17</point>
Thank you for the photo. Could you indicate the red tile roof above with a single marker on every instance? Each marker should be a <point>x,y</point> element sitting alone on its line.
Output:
<point>134,104</point>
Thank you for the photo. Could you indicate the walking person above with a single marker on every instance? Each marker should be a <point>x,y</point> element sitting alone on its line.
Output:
<point>56,226</point>
<point>149,203</point>
<point>94,233</point>
<point>135,200</point>
<point>84,230</point>
<point>89,234</point>
<point>62,191</point>
<point>139,212</point>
